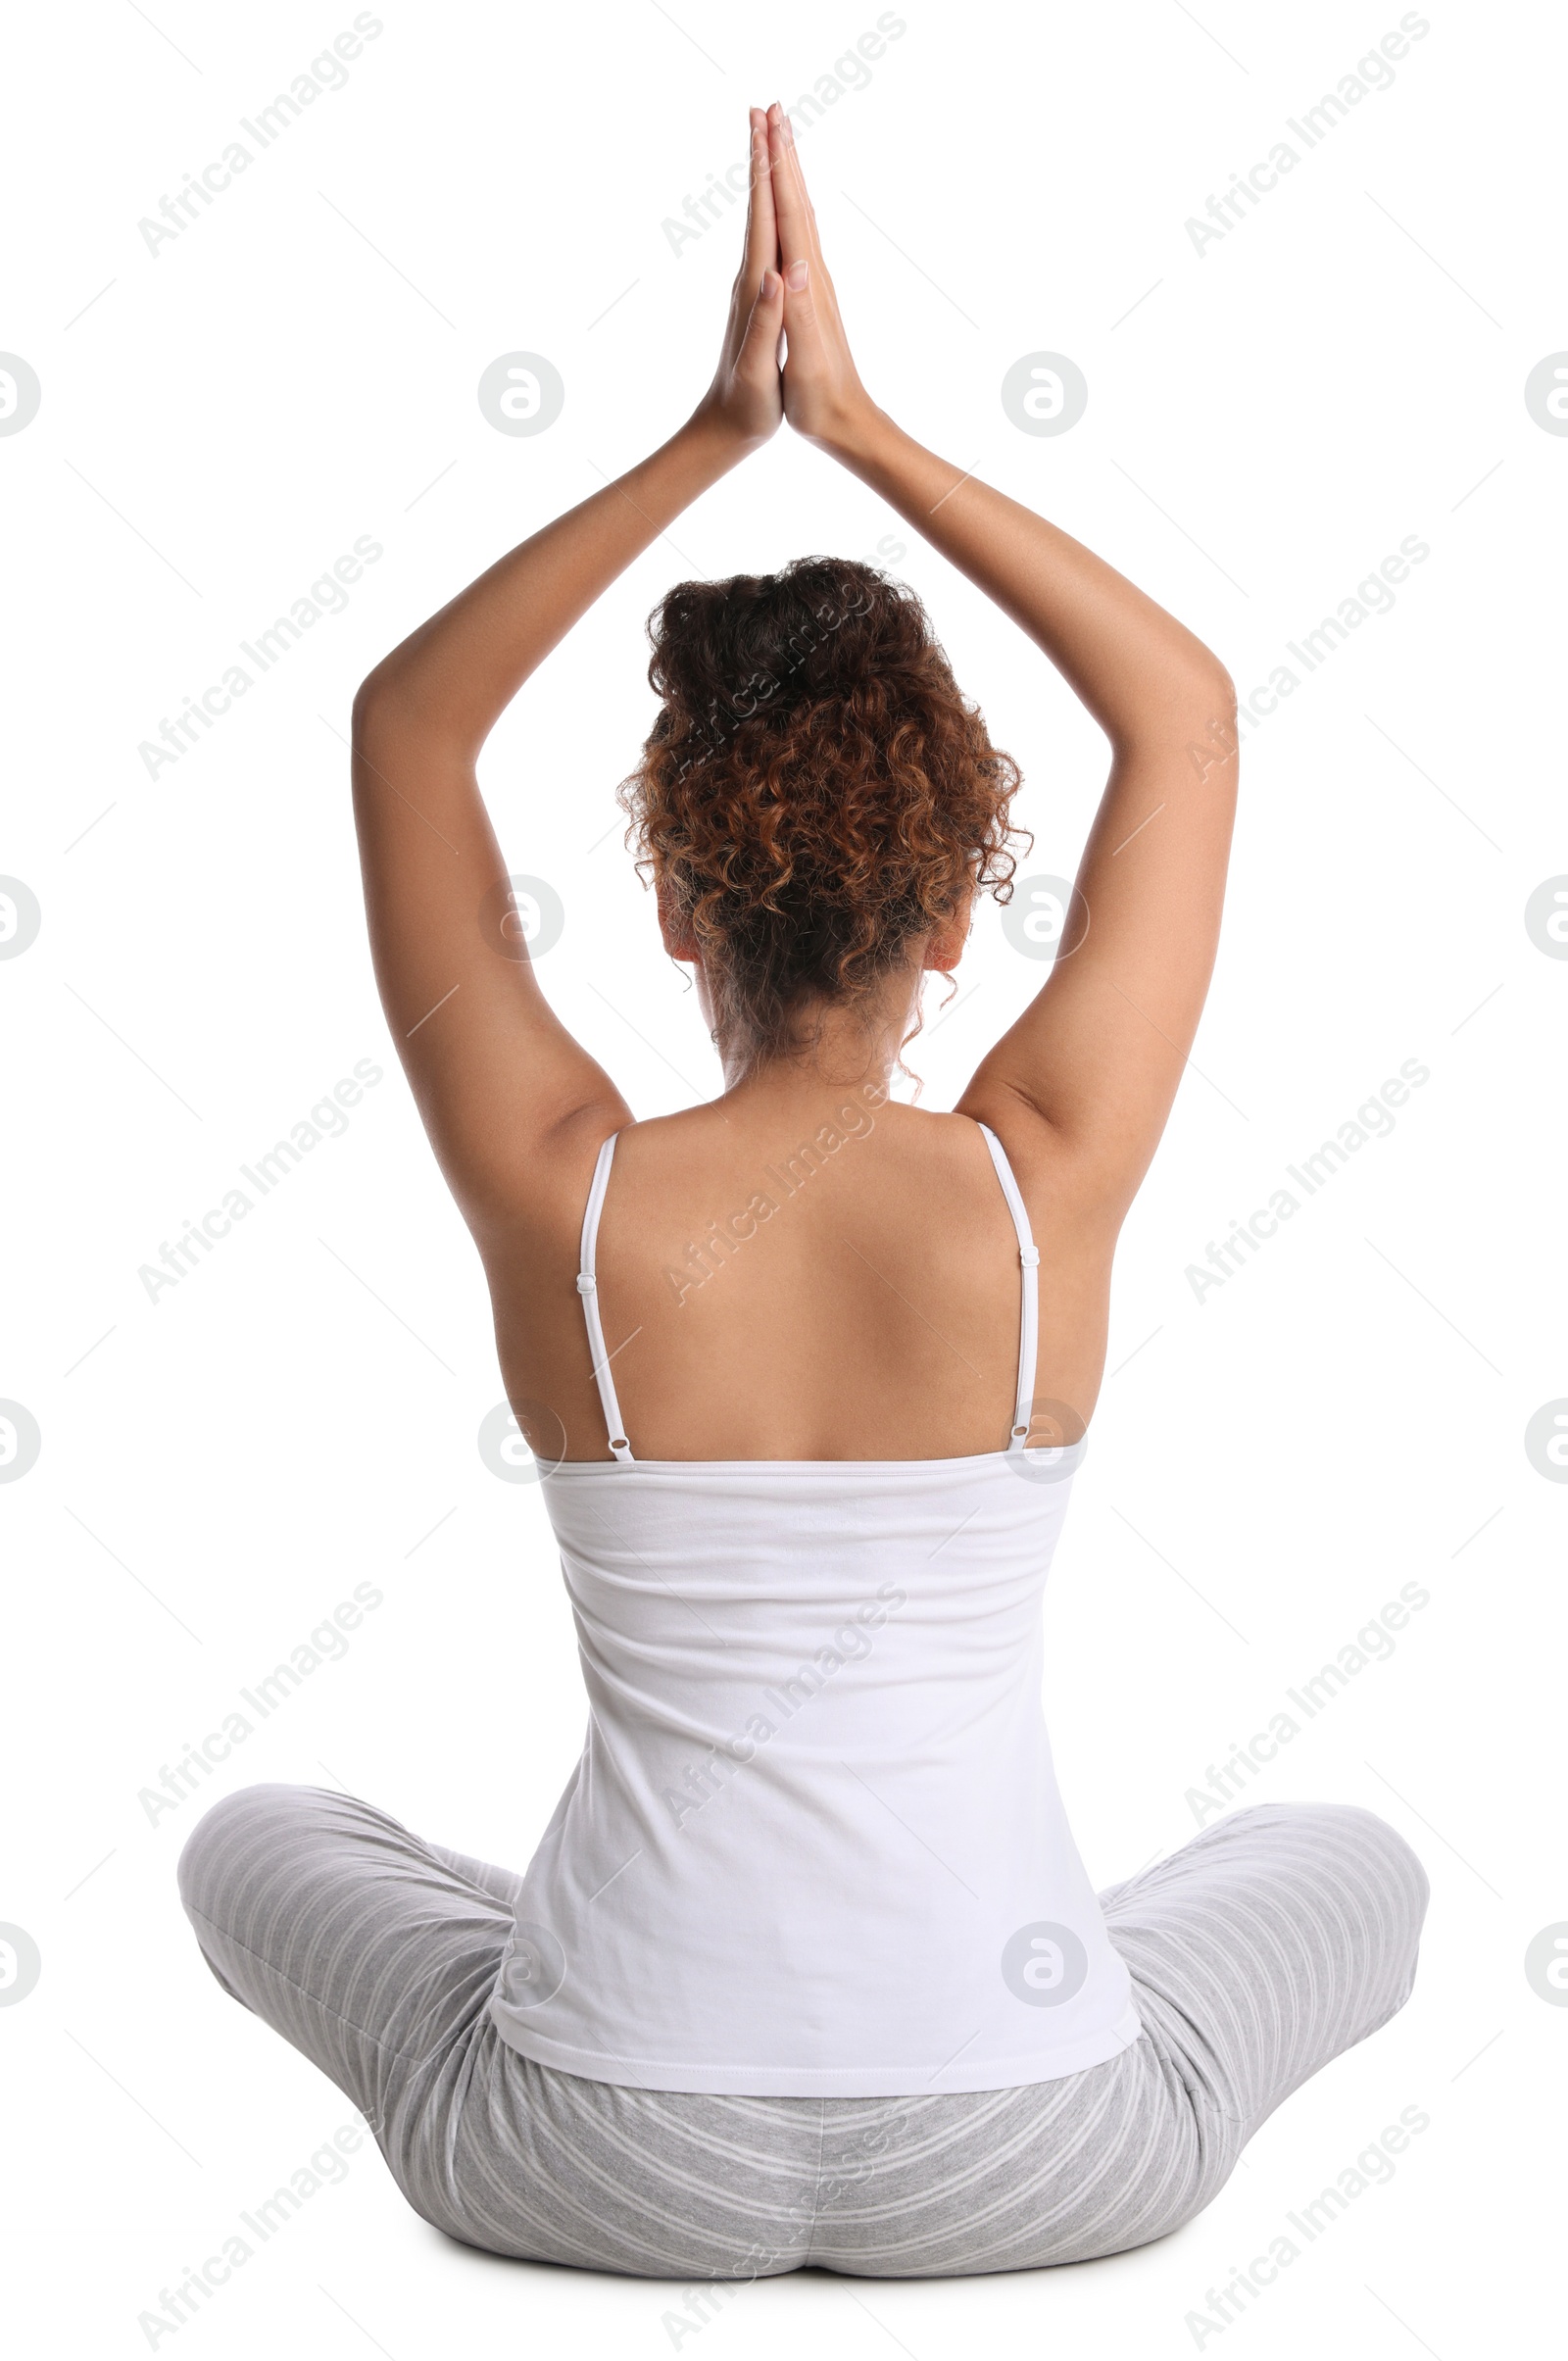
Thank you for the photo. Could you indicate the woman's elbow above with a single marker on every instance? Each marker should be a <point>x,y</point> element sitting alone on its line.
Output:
<point>1207,702</point>
<point>386,709</point>
<point>370,701</point>
<point>1207,686</point>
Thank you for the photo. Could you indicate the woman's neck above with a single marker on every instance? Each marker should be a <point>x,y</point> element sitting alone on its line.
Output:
<point>834,1048</point>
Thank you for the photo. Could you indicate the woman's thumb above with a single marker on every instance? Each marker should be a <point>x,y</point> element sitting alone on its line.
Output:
<point>798,291</point>
<point>801,325</point>
<point>768,310</point>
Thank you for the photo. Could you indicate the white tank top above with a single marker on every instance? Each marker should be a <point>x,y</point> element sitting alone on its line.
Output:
<point>814,1845</point>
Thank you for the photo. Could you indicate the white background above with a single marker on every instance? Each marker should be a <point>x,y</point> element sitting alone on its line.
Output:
<point>1267,419</point>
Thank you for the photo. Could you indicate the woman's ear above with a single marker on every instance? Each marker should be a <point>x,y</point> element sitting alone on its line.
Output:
<point>945,947</point>
<point>679,942</point>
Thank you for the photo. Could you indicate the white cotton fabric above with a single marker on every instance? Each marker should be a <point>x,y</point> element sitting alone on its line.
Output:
<point>816,1801</point>
<point>1272,1942</point>
<point>814,1844</point>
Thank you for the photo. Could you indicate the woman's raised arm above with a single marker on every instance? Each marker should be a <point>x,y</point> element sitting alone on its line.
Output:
<point>1098,1055</point>
<point>495,1073</point>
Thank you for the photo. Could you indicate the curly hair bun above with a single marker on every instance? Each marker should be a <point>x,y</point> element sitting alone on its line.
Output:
<point>816,793</point>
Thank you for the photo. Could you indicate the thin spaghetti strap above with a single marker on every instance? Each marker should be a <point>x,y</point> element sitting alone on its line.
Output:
<point>1029,1302</point>
<point>588,1288</point>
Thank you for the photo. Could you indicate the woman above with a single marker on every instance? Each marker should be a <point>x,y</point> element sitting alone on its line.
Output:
<point>806,1968</point>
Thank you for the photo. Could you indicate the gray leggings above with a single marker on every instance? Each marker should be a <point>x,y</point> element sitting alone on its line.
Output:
<point>1274,1940</point>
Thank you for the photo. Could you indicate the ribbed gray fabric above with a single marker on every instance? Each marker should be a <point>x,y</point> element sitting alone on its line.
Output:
<point>1277,1938</point>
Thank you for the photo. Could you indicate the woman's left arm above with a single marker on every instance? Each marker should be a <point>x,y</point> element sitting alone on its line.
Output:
<point>1083,1081</point>
<point>495,1073</point>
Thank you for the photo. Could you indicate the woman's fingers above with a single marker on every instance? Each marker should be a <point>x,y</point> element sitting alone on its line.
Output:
<point>747,393</point>
<point>797,231</point>
<point>761,227</point>
<point>821,387</point>
<point>798,177</point>
<point>821,277</point>
<point>799,252</point>
<point>799,241</point>
<point>758,359</point>
<point>810,306</point>
<point>801,321</point>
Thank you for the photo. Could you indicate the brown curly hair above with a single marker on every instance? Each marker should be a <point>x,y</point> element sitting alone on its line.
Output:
<point>816,793</point>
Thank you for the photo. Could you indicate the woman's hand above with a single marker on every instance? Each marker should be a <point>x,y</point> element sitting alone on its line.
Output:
<point>746,398</point>
<point>823,397</point>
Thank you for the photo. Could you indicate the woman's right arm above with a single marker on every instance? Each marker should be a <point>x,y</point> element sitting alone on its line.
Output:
<point>1098,1053</point>
<point>506,1093</point>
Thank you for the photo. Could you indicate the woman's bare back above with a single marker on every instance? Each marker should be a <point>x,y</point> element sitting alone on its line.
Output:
<point>802,1273</point>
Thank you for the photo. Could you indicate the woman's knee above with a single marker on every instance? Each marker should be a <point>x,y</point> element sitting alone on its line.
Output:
<point>1371,1888</point>
<point>1374,1850</point>
<point>1337,1874</point>
<point>1350,1831</point>
<point>1380,1840</point>
<point>227,1837</point>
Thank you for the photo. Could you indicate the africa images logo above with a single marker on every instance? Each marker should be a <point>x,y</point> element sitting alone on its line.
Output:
<point>1044,1964</point>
